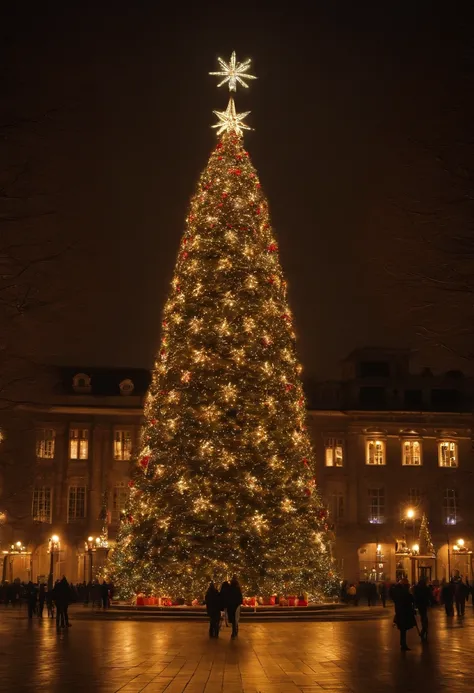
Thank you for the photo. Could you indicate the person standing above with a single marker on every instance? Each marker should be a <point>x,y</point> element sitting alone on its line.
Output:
<point>213,608</point>
<point>234,602</point>
<point>41,597</point>
<point>104,590</point>
<point>459,594</point>
<point>404,611</point>
<point>422,594</point>
<point>224,592</point>
<point>31,596</point>
<point>383,593</point>
<point>61,598</point>
<point>447,596</point>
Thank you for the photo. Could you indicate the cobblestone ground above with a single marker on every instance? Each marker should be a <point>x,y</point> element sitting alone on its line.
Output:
<point>127,656</point>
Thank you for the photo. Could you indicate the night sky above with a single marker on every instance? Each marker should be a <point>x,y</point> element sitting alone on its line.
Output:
<point>363,142</point>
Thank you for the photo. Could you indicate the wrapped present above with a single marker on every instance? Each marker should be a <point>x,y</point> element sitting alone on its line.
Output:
<point>140,600</point>
<point>292,601</point>
<point>272,601</point>
<point>302,602</point>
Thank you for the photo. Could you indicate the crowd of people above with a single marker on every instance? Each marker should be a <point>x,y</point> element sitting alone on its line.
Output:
<point>56,597</point>
<point>223,606</point>
<point>412,600</point>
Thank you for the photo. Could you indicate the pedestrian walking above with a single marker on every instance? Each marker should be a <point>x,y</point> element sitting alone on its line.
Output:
<point>234,602</point>
<point>422,595</point>
<point>213,608</point>
<point>404,611</point>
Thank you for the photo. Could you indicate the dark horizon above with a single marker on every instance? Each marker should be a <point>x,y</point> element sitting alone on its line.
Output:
<point>363,124</point>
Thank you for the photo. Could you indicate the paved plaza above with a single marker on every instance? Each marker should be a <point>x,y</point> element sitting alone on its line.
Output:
<point>132,656</point>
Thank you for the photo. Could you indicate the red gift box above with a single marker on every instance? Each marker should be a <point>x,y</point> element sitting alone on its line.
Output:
<point>140,601</point>
<point>292,601</point>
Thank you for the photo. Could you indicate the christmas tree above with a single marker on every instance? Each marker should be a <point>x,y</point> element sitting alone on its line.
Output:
<point>425,542</point>
<point>224,481</point>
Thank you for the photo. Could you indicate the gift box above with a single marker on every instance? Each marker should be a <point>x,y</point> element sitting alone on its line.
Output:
<point>140,601</point>
<point>302,602</point>
<point>292,601</point>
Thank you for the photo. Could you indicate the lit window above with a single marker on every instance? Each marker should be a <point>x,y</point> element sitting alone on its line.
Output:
<point>334,452</point>
<point>448,453</point>
<point>450,506</point>
<point>411,453</point>
<point>76,505</point>
<point>45,443</point>
<point>122,445</point>
<point>119,502</point>
<point>375,452</point>
<point>78,444</point>
<point>337,506</point>
<point>376,505</point>
<point>41,507</point>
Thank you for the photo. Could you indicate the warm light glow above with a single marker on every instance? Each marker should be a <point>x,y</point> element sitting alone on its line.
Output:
<point>410,513</point>
<point>223,477</point>
<point>90,538</point>
<point>416,548</point>
<point>460,542</point>
<point>55,538</point>
<point>233,72</point>
<point>230,120</point>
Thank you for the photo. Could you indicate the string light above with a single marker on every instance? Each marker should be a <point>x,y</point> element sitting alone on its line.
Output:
<point>233,72</point>
<point>230,120</point>
<point>223,481</point>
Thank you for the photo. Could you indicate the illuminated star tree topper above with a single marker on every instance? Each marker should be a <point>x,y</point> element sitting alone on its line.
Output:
<point>230,121</point>
<point>233,72</point>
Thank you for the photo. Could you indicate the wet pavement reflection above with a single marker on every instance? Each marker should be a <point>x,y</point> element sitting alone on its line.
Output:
<point>109,656</point>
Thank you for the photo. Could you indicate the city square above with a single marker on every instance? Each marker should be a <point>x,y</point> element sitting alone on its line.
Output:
<point>132,656</point>
<point>236,363</point>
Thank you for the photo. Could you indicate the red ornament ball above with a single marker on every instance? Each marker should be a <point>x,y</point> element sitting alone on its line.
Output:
<point>144,461</point>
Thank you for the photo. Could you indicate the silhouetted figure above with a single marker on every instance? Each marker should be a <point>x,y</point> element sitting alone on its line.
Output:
<point>41,599</point>
<point>422,594</point>
<point>371,594</point>
<point>233,603</point>
<point>213,608</point>
<point>383,593</point>
<point>31,596</point>
<point>50,602</point>
<point>447,597</point>
<point>224,592</point>
<point>404,611</point>
<point>104,591</point>
<point>459,589</point>
<point>61,595</point>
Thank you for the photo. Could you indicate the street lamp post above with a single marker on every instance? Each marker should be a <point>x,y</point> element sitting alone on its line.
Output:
<point>53,547</point>
<point>89,547</point>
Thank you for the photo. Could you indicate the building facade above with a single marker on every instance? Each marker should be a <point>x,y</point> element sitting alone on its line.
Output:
<point>390,447</point>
